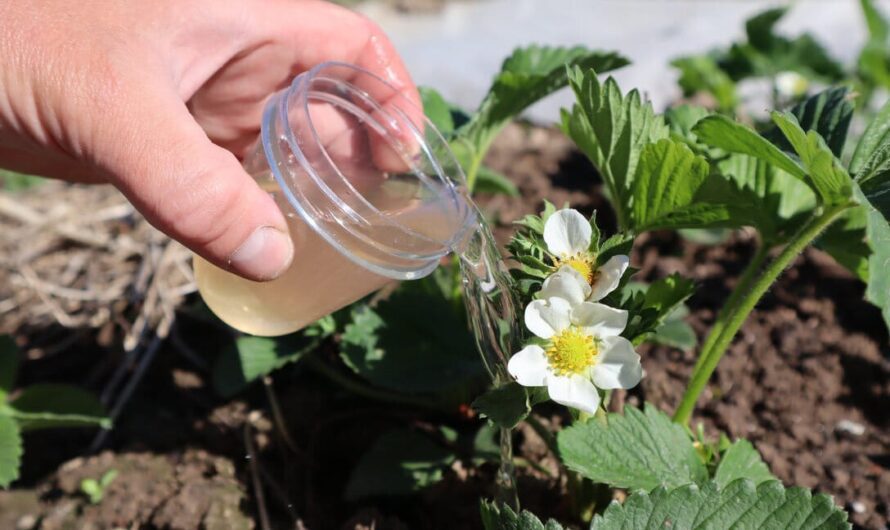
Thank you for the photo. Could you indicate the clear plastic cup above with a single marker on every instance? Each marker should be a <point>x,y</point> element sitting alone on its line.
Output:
<point>371,191</point>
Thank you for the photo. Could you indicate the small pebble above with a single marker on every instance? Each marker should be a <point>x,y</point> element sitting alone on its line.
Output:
<point>857,507</point>
<point>26,522</point>
<point>848,426</point>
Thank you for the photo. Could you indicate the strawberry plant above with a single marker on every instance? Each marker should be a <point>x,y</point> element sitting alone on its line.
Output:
<point>688,169</point>
<point>41,406</point>
<point>790,65</point>
<point>583,317</point>
<point>573,343</point>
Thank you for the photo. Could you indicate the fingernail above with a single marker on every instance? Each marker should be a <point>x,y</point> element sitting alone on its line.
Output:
<point>265,255</point>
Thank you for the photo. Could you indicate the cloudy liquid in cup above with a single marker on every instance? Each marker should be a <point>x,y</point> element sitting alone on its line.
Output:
<point>321,279</point>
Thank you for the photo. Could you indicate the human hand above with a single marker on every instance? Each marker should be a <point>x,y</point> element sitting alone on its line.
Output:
<point>161,98</point>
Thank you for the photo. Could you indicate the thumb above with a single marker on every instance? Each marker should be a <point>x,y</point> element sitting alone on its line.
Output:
<point>193,190</point>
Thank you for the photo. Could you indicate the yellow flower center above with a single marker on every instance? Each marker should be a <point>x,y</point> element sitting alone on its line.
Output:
<point>571,352</point>
<point>584,264</point>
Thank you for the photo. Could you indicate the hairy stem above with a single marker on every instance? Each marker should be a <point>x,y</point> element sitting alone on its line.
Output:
<point>742,287</point>
<point>616,200</point>
<point>737,316</point>
<point>505,482</point>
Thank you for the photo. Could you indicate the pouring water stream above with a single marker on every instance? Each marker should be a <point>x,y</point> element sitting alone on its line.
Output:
<point>492,312</point>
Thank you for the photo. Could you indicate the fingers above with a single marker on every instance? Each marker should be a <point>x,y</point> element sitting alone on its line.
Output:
<point>319,32</point>
<point>193,190</point>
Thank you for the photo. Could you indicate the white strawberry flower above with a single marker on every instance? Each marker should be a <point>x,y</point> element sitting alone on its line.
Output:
<point>567,235</point>
<point>583,350</point>
<point>791,84</point>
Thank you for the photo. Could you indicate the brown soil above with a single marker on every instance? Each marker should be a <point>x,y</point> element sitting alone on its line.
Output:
<point>809,368</point>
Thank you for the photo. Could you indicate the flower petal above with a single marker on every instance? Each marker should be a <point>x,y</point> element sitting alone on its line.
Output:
<point>567,232</point>
<point>609,275</point>
<point>574,391</point>
<point>618,366</point>
<point>545,318</point>
<point>566,283</point>
<point>599,320</point>
<point>529,366</point>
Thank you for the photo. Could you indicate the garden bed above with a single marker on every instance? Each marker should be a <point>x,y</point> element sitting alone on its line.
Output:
<point>807,381</point>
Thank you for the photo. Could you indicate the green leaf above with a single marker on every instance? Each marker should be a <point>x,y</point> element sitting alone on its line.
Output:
<point>612,129</point>
<point>485,444</point>
<point>700,73</point>
<point>760,27</point>
<point>10,450</point>
<point>250,358</point>
<point>824,171</point>
<point>828,113</point>
<point>876,167</point>
<point>767,53</point>
<point>12,181</point>
<point>780,202</point>
<point>666,294</point>
<point>876,134</point>
<point>9,365</point>
<point>741,460</point>
<point>878,26</point>
<point>639,450</point>
<point>504,405</point>
<point>620,243</point>
<point>706,236</point>
<point>437,110</point>
<point>649,306</point>
<point>414,341</point>
<point>874,179</point>
<point>874,59</point>
<point>681,119</point>
<point>95,489</point>
<point>91,488</point>
<point>675,332</point>
<point>668,176</point>
<point>491,181</point>
<point>502,517</point>
<point>845,241</point>
<point>400,462</point>
<point>877,233</point>
<point>738,505</point>
<point>46,406</point>
<point>526,76</point>
<point>722,132</point>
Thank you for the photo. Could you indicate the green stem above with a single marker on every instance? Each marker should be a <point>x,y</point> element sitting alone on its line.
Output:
<point>742,287</point>
<point>615,198</point>
<point>737,316</point>
<point>472,171</point>
<point>482,144</point>
<point>358,387</point>
<point>505,480</point>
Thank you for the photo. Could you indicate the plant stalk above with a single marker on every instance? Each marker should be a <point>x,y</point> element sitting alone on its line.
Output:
<point>505,482</point>
<point>473,170</point>
<point>737,316</point>
<point>743,286</point>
